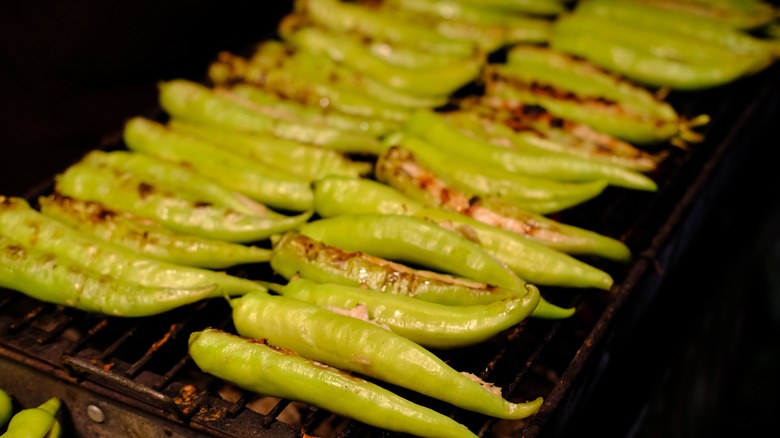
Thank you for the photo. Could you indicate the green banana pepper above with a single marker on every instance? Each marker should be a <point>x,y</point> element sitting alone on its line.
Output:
<point>413,240</point>
<point>359,346</point>
<point>177,177</point>
<point>335,196</point>
<point>277,106</point>
<point>609,52</point>
<point>123,191</point>
<point>297,255</point>
<point>302,160</point>
<point>426,81</point>
<point>399,168</point>
<point>346,17</point>
<point>490,28</point>
<point>694,27</point>
<point>507,84</point>
<point>469,176</point>
<point>20,222</point>
<point>431,325</point>
<point>147,237</point>
<point>434,128</point>
<point>533,130</point>
<point>193,102</point>
<point>48,277</point>
<point>269,185</point>
<point>256,366</point>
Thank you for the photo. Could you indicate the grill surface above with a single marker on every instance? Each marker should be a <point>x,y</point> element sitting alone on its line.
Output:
<point>134,375</point>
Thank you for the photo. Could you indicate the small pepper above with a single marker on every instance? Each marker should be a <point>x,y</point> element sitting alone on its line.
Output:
<point>38,422</point>
<point>6,408</point>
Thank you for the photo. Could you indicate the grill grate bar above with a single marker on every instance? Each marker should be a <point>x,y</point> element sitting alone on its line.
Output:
<point>128,386</point>
<point>118,343</point>
<point>154,348</point>
<point>57,331</point>
<point>314,419</point>
<point>172,372</point>
<point>270,418</point>
<point>6,300</point>
<point>24,321</point>
<point>94,330</point>
<point>239,405</point>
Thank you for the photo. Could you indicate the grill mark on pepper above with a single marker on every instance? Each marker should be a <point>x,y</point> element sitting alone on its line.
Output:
<point>394,273</point>
<point>145,189</point>
<point>521,117</point>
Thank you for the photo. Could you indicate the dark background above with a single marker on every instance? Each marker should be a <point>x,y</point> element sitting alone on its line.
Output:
<point>703,361</point>
<point>72,71</point>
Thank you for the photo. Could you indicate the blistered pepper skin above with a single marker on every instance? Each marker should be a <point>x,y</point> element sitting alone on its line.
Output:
<point>437,130</point>
<point>148,237</point>
<point>124,191</point>
<point>297,255</point>
<point>409,184</point>
<point>427,81</point>
<point>535,259</point>
<point>413,240</point>
<point>193,102</point>
<point>467,175</point>
<point>54,279</point>
<point>20,222</point>
<point>428,324</point>
<point>269,185</point>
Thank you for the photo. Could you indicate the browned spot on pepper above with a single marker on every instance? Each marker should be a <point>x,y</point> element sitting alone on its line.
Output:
<point>145,189</point>
<point>15,251</point>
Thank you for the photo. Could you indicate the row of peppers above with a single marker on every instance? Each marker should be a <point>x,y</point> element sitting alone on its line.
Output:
<point>404,214</point>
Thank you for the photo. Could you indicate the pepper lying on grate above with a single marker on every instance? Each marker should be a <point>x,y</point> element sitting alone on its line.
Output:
<point>56,263</point>
<point>352,344</point>
<point>266,369</point>
<point>431,325</point>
